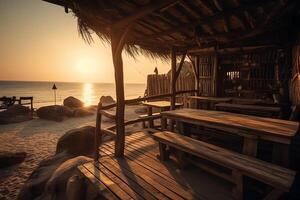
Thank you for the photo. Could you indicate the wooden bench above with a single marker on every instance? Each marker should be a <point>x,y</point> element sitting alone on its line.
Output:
<point>241,165</point>
<point>153,116</point>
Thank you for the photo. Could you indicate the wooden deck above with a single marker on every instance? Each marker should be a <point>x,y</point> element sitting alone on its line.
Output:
<point>140,175</point>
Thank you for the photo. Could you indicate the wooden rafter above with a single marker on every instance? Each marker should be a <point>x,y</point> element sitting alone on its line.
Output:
<point>218,5</point>
<point>209,19</point>
<point>141,12</point>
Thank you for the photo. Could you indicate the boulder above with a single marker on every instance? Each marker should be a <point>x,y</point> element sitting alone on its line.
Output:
<point>14,114</point>
<point>35,184</point>
<point>79,141</point>
<point>75,188</point>
<point>73,102</point>
<point>57,184</point>
<point>50,179</point>
<point>55,113</point>
<point>18,110</point>
<point>82,112</point>
<point>107,100</point>
<point>11,158</point>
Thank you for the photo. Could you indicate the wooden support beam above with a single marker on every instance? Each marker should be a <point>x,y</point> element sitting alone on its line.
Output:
<point>193,66</point>
<point>180,66</point>
<point>118,38</point>
<point>197,64</point>
<point>173,78</point>
<point>98,135</point>
<point>141,12</point>
<point>215,74</point>
<point>196,73</point>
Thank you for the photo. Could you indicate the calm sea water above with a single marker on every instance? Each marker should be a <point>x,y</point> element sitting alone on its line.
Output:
<point>43,94</point>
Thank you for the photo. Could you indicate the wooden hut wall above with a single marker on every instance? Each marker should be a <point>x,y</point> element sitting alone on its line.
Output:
<point>250,75</point>
<point>160,84</point>
<point>206,75</point>
<point>295,80</point>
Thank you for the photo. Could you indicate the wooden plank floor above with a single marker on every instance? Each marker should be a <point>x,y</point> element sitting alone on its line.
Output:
<point>140,175</point>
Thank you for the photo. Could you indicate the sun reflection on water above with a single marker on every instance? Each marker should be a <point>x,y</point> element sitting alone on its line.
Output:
<point>88,94</point>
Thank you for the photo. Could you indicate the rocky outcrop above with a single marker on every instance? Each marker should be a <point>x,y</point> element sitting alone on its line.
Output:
<point>49,180</point>
<point>80,141</point>
<point>11,158</point>
<point>73,102</point>
<point>14,114</point>
<point>55,113</point>
<point>105,100</point>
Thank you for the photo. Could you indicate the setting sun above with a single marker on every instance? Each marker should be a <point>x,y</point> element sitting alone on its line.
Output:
<point>86,66</point>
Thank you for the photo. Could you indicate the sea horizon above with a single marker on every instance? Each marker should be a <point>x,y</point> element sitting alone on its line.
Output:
<point>89,93</point>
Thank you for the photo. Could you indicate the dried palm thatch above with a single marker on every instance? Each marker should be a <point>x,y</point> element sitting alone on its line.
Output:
<point>156,26</point>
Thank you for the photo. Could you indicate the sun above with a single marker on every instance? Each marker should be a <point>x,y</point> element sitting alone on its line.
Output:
<point>85,66</point>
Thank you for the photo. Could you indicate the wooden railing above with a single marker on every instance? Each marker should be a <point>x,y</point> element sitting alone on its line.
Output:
<point>102,110</point>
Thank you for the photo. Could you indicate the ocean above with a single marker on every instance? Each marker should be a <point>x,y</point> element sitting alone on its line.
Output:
<point>43,94</point>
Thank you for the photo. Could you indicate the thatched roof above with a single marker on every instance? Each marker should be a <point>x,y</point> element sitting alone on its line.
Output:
<point>157,25</point>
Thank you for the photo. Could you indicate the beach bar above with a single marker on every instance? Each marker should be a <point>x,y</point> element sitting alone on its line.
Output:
<point>240,140</point>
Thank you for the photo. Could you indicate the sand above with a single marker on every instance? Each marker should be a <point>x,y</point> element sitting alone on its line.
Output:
<point>38,139</point>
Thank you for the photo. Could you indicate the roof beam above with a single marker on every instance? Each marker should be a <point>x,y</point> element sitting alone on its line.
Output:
<point>218,5</point>
<point>209,19</point>
<point>143,11</point>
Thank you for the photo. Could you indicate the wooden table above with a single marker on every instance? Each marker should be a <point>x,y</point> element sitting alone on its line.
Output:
<point>263,111</point>
<point>251,128</point>
<point>208,102</point>
<point>162,105</point>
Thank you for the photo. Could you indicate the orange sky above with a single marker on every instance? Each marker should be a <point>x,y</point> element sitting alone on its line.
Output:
<point>40,42</point>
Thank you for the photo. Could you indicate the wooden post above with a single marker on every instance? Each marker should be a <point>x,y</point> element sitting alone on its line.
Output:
<point>215,75</point>
<point>173,78</point>
<point>198,75</point>
<point>117,43</point>
<point>98,136</point>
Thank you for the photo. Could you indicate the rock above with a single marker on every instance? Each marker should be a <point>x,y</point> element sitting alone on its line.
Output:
<point>72,102</point>
<point>18,110</point>
<point>79,141</point>
<point>107,100</point>
<point>14,114</point>
<point>55,113</point>
<point>11,158</point>
<point>50,179</point>
<point>82,112</point>
<point>35,184</point>
<point>75,188</point>
<point>57,184</point>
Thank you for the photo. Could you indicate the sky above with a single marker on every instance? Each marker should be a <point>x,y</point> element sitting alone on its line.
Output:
<point>40,42</point>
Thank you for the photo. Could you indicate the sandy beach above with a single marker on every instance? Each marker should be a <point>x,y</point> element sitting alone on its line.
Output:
<point>38,139</point>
